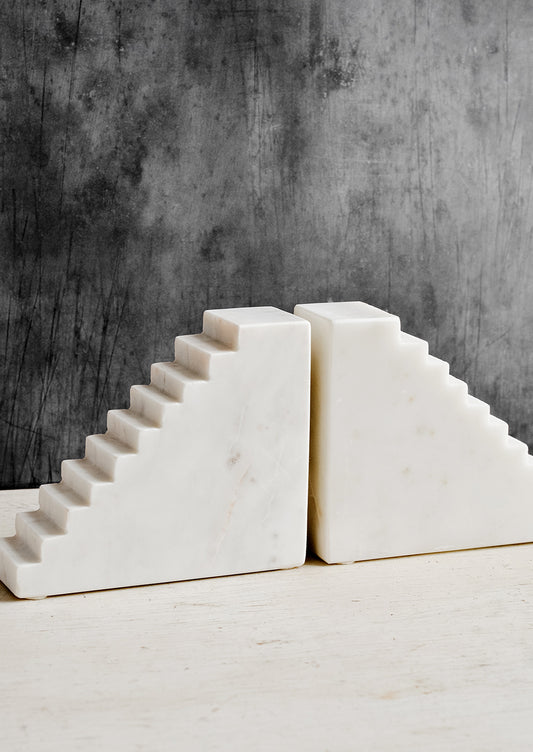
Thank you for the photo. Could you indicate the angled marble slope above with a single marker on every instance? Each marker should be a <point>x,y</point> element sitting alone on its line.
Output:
<point>205,474</point>
<point>403,459</point>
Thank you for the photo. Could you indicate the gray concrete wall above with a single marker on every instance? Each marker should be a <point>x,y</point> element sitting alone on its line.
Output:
<point>162,157</point>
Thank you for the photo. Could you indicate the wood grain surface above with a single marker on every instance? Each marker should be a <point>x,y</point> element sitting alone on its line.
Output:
<point>159,158</point>
<point>427,653</point>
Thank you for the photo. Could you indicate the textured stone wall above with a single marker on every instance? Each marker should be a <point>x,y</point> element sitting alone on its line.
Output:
<point>162,157</point>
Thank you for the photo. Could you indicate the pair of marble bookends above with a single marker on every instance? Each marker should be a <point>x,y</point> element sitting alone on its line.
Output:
<point>206,473</point>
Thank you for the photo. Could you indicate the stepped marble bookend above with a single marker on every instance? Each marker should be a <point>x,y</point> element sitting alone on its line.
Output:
<point>204,475</point>
<point>403,460</point>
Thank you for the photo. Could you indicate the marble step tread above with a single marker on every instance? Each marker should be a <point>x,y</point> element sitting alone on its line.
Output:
<point>106,452</point>
<point>16,553</point>
<point>33,528</point>
<point>60,502</point>
<point>150,402</point>
<point>83,477</point>
<point>130,427</point>
<point>197,351</point>
<point>174,379</point>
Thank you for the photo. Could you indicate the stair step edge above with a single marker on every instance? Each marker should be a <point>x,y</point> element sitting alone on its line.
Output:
<point>129,426</point>
<point>458,384</point>
<point>179,371</point>
<point>133,419</point>
<point>149,401</point>
<point>435,362</point>
<point>498,423</point>
<point>17,551</point>
<point>219,328</point>
<point>411,340</point>
<point>478,404</point>
<point>198,352</point>
<point>58,501</point>
<point>516,444</point>
<point>206,343</point>
<point>33,528</point>
<point>84,472</point>
<point>189,353</point>
<point>153,393</point>
<point>112,444</point>
<point>174,379</point>
<point>63,494</point>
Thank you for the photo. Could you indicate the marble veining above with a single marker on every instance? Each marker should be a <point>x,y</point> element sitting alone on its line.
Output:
<point>204,475</point>
<point>403,460</point>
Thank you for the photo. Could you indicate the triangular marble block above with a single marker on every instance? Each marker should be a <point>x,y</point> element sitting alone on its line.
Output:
<point>403,459</point>
<point>204,475</point>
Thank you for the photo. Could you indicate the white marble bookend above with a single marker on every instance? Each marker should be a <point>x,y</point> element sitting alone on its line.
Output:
<point>204,475</point>
<point>403,460</point>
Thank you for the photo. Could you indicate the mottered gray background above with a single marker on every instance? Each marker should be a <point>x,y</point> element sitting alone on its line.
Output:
<point>160,157</point>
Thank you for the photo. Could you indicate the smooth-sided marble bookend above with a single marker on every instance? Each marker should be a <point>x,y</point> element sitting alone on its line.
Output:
<point>403,459</point>
<point>204,475</point>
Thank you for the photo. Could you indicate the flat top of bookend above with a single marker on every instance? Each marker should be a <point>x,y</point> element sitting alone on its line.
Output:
<point>254,316</point>
<point>348,311</point>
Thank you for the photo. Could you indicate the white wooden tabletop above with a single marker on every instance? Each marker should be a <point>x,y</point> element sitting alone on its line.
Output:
<point>417,653</point>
